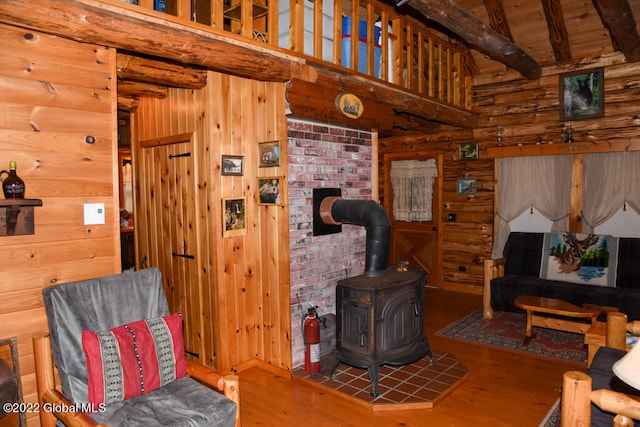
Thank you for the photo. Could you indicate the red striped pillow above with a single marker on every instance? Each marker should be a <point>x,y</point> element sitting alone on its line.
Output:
<point>134,359</point>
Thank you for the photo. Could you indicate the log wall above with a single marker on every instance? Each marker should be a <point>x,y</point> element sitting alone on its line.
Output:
<point>526,111</point>
<point>55,96</point>
<point>243,280</point>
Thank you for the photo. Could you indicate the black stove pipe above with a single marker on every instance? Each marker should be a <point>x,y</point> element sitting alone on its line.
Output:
<point>335,210</point>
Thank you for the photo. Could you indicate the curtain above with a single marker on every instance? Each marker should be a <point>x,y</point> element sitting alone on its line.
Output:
<point>611,181</point>
<point>541,182</point>
<point>412,182</point>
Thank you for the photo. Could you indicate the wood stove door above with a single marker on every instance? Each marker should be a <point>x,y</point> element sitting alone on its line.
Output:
<point>419,242</point>
<point>402,323</point>
<point>356,323</point>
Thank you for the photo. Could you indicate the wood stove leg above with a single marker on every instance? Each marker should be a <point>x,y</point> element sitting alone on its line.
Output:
<point>332,374</point>
<point>429,352</point>
<point>374,373</point>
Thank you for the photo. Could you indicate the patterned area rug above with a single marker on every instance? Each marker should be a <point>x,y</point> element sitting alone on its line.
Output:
<point>507,330</point>
<point>553,416</point>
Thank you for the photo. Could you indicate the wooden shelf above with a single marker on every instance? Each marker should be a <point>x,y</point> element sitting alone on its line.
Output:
<point>20,202</point>
<point>561,148</point>
<point>18,216</point>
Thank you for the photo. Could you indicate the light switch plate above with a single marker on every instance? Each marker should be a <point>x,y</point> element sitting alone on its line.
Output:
<point>93,213</point>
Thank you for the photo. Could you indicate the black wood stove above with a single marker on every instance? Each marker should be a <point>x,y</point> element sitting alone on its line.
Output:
<point>381,321</point>
<point>379,314</point>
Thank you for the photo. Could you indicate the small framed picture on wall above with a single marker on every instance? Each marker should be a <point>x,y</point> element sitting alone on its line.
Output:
<point>232,165</point>
<point>582,94</point>
<point>234,212</point>
<point>468,151</point>
<point>269,154</point>
<point>466,186</point>
<point>269,191</point>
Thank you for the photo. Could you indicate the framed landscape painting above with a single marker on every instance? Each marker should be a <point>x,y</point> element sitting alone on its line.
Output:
<point>232,165</point>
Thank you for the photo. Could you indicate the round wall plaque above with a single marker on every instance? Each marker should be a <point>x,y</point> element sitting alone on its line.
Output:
<point>349,105</point>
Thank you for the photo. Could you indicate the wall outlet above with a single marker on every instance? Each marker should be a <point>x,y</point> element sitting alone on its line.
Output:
<point>93,213</point>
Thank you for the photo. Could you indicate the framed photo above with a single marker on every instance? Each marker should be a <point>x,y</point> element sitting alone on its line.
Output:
<point>269,191</point>
<point>234,221</point>
<point>232,165</point>
<point>466,186</point>
<point>269,154</point>
<point>468,151</point>
<point>582,94</point>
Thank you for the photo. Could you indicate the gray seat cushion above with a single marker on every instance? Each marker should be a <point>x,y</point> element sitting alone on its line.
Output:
<point>183,402</point>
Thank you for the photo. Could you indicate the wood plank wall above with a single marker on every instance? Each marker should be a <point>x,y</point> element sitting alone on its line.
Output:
<point>526,111</point>
<point>244,279</point>
<point>54,93</point>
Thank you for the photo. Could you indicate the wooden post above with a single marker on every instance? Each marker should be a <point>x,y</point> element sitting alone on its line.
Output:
<point>617,330</point>
<point>576,402</point>
<point>232,391</point>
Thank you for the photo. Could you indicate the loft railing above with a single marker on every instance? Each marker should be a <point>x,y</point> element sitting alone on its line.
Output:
<point>402,51</point>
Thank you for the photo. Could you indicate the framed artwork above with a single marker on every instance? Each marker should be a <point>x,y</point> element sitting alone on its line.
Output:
<point>269,191</point>
<point>269,154</point>
<point>582,94</point>
<point>234,211</point>
<point>232,165</point>
<point>468,151</point>
<point>466,186</point>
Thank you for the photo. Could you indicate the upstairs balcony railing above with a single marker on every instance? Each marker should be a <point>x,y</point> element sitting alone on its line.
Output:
<point>401,50</point>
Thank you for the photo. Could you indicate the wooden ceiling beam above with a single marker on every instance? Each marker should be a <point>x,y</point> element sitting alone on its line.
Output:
<point>498,17</point>
<point>401,101</point>
<point>126,27</point>
<point>477,34</point>
<point>134,89</point>
<point>155,71</point>
<point>558,35</point>
<point>617,16</point>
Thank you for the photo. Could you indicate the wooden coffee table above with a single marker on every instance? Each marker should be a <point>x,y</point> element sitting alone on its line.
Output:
<point>557,314</point>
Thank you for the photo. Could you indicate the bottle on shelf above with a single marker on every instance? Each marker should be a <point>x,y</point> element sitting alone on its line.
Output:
<point>12,185</point>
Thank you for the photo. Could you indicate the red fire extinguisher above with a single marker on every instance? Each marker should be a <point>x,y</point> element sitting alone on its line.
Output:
<point>311,334</point>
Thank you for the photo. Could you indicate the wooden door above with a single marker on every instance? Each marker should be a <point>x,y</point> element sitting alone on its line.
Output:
<point>168,187</point>
<point>420,243</point>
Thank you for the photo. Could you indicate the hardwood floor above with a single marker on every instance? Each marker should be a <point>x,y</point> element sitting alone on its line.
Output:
<point>503,389</point>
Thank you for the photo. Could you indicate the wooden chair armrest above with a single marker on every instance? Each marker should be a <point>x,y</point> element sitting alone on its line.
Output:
<point>53,404</point>
<point>633,327</point>
<point>577,396</point>
<point>617,403</point>
<point>61,407</point>
<point>229,385</point>
<point>492,268</point>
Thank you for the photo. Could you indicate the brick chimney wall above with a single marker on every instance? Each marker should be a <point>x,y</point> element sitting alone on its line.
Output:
<point>322,156</point>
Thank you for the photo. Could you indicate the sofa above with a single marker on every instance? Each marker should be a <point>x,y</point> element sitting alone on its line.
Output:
<point>532,264</point>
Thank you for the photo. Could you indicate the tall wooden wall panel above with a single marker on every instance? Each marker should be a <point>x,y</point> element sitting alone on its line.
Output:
<point>55,96</point>
<point>527,112</point>
<point>244,278</point>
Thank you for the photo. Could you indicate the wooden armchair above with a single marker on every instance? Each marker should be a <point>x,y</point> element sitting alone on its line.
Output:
<point>202,397</point>
<point>492,268</point>
<point>579,396</point>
